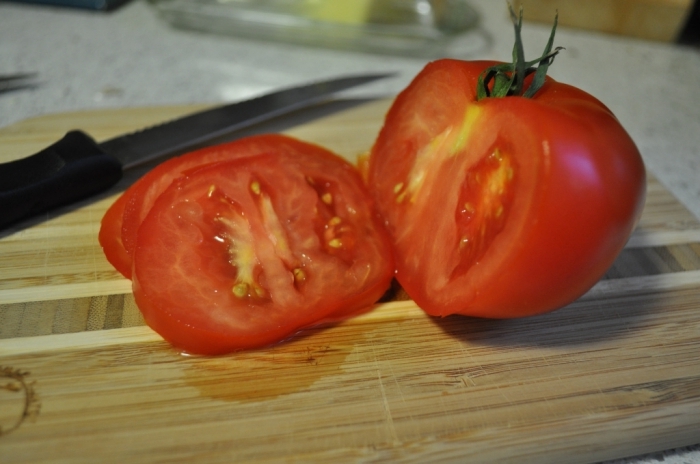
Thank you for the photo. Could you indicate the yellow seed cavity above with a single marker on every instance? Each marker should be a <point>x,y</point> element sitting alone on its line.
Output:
<point>240,290</point>
<point>255,187</point>
<point>210,192</point>
<point>334,221</point>
<point>398,187</point>
<point>327,198</point>
<point>335,243</point>
<point>499,211</point>
<point>469,208</point>
<point>401,197</point>
<point>299,275</point>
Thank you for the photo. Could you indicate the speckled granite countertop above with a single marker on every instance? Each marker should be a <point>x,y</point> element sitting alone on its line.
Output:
<point>131,57</point>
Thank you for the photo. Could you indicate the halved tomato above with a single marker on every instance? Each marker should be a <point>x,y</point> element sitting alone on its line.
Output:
<point>243,253</point>
<point>502,207</point>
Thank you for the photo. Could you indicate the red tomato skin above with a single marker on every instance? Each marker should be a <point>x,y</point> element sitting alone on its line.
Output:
<point>110,237</point>
<point>579,192</point>
<point>177,300</point>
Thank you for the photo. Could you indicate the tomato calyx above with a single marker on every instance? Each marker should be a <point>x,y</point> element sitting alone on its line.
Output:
<point>509,78</point>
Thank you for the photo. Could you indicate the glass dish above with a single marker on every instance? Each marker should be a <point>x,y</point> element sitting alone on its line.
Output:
<point>404,27</point>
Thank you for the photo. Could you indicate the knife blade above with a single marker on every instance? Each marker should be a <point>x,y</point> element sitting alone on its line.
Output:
<point>77,167</point>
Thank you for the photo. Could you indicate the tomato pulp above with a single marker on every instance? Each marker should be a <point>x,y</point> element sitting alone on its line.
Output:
<point>502,207</point>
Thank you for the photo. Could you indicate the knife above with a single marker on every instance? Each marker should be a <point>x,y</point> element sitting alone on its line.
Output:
<point>77,167</point>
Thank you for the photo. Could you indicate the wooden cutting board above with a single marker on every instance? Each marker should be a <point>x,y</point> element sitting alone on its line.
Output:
<point>616,373</point>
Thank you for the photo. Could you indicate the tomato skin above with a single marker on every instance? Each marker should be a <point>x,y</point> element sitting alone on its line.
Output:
<point>110,237</point>
<point>576,192</point>
<point>272,215</point>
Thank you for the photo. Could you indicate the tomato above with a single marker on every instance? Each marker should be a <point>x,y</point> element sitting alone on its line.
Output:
<point>243,253</point>
<point>121,222</point>
<point>502,207</point>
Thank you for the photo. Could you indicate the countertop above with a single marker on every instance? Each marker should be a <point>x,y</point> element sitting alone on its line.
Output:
<point>131,57</point>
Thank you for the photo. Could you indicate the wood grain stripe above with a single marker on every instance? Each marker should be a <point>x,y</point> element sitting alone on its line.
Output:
<point>633,262</point>
<point>69,315</point>
<point>635,270</point>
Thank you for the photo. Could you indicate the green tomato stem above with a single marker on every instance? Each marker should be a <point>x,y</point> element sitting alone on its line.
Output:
<point>509,78</point>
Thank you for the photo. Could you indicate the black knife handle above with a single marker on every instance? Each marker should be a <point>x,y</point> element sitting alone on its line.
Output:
<point>71,169</point>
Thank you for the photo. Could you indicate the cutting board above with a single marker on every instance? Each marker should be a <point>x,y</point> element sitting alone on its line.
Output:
<point>614,374</point>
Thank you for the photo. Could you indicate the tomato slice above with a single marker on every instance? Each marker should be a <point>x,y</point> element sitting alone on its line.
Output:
<point>128,213</point>
<point>110,237</point>
<point>243,253</point>
<point>503,207</point>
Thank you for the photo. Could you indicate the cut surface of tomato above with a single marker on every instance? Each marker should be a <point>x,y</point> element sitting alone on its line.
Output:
<point>502,207</point>
<point>243,253</point>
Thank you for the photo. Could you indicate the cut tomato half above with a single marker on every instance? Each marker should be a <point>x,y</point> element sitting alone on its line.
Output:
<point>244,253</point>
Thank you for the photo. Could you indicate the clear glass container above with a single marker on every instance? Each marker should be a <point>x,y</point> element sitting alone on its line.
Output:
<point>405,27</point>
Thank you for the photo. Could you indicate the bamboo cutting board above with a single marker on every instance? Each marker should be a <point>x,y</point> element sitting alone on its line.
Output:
<point>614,374</point>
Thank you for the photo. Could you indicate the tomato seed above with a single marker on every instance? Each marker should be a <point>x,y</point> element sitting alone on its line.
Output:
<point>240,290</point>
<point>299,275</point>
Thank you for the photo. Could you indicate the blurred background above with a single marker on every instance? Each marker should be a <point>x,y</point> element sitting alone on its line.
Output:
<point>405,26</point>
